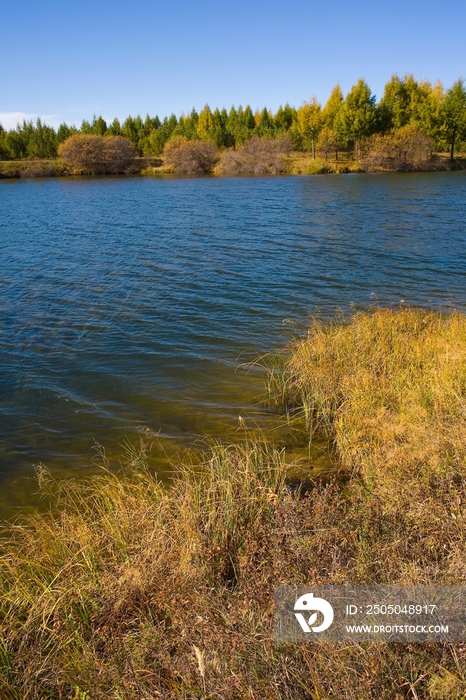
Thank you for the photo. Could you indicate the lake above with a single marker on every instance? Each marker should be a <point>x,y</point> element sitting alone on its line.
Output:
<point>128,304</point>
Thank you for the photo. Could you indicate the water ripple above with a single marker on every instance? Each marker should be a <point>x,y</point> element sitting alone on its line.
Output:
<point>127,302</point>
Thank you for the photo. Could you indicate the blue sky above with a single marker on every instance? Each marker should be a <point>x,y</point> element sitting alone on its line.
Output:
<point>66,61</point>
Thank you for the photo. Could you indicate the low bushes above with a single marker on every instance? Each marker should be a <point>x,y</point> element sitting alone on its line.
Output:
<point>88,154</point>
<point>190,157</point>
<point>405,149</point>
<point>258,156</point>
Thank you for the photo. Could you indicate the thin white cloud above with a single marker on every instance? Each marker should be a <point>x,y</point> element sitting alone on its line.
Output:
<point>10,120</point>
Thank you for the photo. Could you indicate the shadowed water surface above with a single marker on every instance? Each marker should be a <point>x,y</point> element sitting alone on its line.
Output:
<point>128,304</point>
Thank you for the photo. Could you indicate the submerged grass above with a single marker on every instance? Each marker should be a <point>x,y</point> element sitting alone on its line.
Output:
<point>127,589</point>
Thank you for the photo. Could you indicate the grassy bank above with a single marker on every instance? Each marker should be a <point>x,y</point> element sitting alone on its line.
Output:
<point>54,167</point>
<point>131,590</point>
<point>303,164</point>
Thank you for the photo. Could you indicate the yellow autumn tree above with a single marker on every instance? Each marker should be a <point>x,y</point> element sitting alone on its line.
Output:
<point>309,124</point>
<point>332,107</point>
<point>205,123</point>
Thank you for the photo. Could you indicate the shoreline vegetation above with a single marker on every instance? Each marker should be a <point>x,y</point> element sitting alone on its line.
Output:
<point>415,126</point>
<point>129,589</point>
<point>294,163</point>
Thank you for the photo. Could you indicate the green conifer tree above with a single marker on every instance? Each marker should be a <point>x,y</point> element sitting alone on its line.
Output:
<point>85,127</point>
<point>455,115</point>
<point>115,128</point>
<point>357,118</point>
<point>64,132</point>
<point>98,126</point>
<point>332,107</point>
<point>232,125</point>
<point>284,118</point>
<point>265,125</point>
<point>205,123</point>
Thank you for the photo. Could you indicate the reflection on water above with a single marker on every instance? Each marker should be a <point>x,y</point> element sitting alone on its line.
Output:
<point>128,304</point>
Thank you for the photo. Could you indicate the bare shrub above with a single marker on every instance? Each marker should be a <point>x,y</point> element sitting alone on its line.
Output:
<point>119,154</point>
<point>404,150</point>
<point>83,153</point>
<point>256,157</point>
<point>172,146</point>
<point>190,157</point>
<point>97,155</point>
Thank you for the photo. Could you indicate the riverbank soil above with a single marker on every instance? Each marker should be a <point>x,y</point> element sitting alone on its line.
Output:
<point>129,589</point>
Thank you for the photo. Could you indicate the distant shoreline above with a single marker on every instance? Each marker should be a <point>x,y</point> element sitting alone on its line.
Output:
<point>295,164</point>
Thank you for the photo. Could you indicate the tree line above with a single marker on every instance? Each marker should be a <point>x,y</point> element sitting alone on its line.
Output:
<point>343,124</point>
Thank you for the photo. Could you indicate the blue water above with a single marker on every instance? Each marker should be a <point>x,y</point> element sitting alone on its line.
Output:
<point>127,304</point>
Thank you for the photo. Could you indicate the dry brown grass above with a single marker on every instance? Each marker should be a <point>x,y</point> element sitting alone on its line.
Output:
<point>128,589</point>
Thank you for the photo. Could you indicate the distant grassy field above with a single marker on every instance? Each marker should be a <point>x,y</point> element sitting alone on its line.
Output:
<point>128,589</point>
